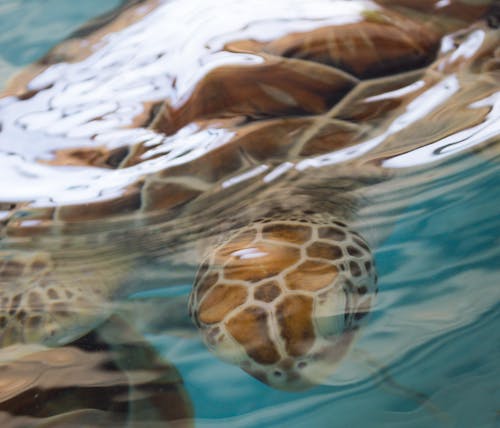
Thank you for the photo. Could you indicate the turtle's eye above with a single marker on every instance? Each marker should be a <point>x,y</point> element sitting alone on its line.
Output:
<point>282,299</point>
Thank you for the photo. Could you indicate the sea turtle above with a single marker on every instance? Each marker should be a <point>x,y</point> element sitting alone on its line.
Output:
<point>256,140</point>
<point>110,376</point>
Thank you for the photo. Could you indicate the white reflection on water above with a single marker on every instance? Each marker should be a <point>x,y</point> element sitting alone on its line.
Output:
<point>429,354</point>
<point>245,176</point>
<point>417,109</point>
<point>466,50</point>
<point>459,141</point>
<point>59,185</point>
<point>95,100</point>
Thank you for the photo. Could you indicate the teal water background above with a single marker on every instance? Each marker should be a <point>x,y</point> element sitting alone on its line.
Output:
<point>28,28</point>
<point>431,354</point>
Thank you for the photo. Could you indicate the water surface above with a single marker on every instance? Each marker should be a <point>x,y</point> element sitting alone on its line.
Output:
<point>429,355</point>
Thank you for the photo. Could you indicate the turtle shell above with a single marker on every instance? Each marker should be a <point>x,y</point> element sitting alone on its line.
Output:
<point>94,381</point>
<point>147,135</point>
<point>263,93</point>
<point>264,98</point>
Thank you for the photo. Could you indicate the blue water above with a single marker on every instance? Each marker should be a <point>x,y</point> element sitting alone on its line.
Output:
<point>28,28</point>
<point>430,355</point>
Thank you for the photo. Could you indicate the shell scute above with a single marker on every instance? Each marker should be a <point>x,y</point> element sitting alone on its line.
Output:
<point>314,88</point>
<point>267,292</point>
<point>250,329</point>
<point>294,234</point>
<point>311,276</point>
<point>221,300</point>
<point>260,261</point>
<point>294,318</point>
<point>324,250</point>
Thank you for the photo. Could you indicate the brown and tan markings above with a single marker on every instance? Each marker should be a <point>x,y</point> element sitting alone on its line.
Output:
<point>265,297</point>
<point>283,289</point>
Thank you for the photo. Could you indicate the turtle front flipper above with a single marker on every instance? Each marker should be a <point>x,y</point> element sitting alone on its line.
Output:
<point>51,301</point>
<point>283,298</point>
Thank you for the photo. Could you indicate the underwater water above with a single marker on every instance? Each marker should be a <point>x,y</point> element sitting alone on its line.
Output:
<point>429,353</point>
<point>29,28</point>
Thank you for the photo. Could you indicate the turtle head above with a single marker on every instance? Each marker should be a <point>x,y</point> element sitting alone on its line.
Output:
<point>283,299</point>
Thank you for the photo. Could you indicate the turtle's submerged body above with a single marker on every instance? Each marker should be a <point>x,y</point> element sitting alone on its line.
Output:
<point>246,143</point>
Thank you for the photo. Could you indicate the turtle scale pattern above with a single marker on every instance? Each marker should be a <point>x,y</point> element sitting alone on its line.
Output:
<point>283,288</point>
<point>314,278</point>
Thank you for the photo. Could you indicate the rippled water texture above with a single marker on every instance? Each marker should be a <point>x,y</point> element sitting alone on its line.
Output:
<point>167,134</point>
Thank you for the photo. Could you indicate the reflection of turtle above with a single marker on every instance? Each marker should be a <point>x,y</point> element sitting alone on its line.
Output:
<point>290,131</point>
<point>109,376</point>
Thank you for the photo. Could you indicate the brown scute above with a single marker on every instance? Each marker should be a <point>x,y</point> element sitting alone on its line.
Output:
<point>221,300</point>
<point>116,157</point>
<point>275,138</point>
<point>294,316</point>
<point>163,196</point>
<point>294,234</point>
<point>271,260</point>
<point>272,139</point>
<point>267,292</point>
<point>467,11</point>
<point>241,240</point>
<point>286,87</point>
<point>363,105</point>
<point>333,136</point>
<point>249,328</point>
<point>364,110</point>
<point>332,233</point>
<point>243,46</point>
<point>311,276</point>
<point>205,284</point>
<point>324,251</point>
<point>139,152</point>
<point>384,42</point>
